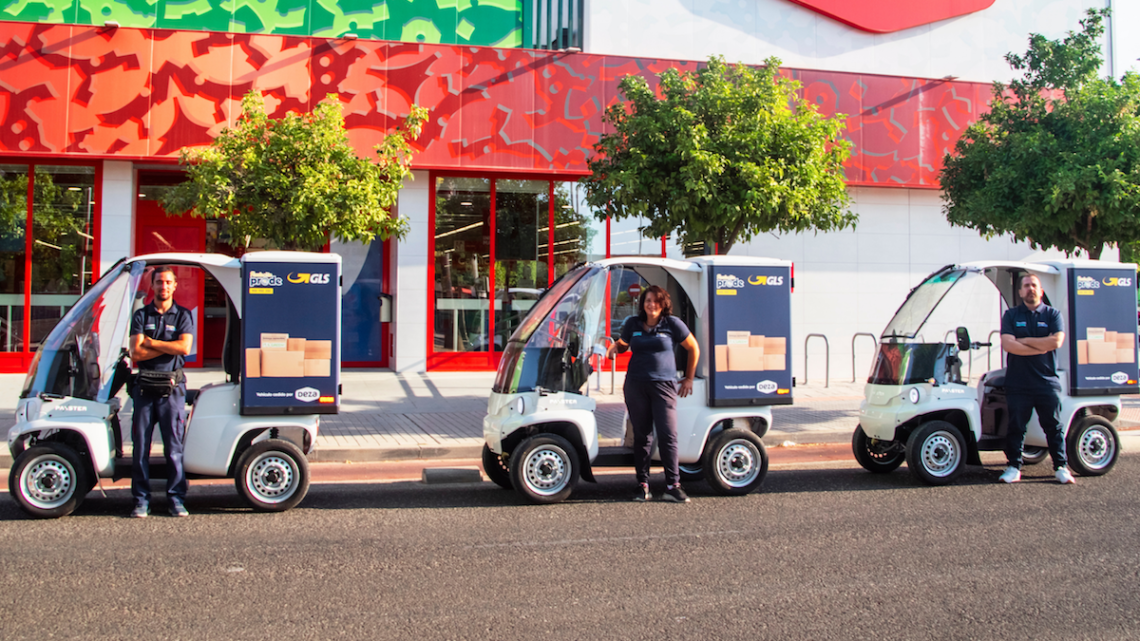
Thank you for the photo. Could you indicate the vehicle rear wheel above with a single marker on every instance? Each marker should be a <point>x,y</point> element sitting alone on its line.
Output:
<point>272,476</point>
<point>936,453</point>
<point>735,462</point>
<point>1031,455</point>
<point>1092,448</point>
<point>876,455</point>
<point>49,480</point>
<point>692,471</point>
<point>495,469</point>
<point>544,468</point>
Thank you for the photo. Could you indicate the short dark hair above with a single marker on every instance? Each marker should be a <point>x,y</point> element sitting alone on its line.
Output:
<point>663,300</point>
<point>162,270</point>
<point>1021,279</point>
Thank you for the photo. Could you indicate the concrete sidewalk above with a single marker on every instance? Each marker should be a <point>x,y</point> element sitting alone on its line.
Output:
<point>386,416</point>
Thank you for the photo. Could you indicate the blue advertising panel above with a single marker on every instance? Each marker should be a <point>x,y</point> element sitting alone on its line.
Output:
<point>290,334</point>
<point>1102,325</point>
<point>750,327</point>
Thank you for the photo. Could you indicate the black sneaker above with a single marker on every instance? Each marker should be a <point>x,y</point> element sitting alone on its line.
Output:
<point>675,494</point>
<point>141,511</point>
<point>643,493</point>
<point>177,509</point>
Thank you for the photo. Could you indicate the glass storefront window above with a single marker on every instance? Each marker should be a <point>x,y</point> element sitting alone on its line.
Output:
<point>578,237</point>
<point>63,209</point>
<point>522,214</point>
<point>462,264</point>
<point>13,225</point>
<point>626,239</point>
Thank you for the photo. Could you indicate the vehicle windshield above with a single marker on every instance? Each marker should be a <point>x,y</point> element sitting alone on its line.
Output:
<point>552,346</point>
<point>947,300</point>
<point>78,356</point>
<point>911,363</point>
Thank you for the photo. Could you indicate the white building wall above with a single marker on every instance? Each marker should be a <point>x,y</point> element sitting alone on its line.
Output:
<point>971,47</point>
<point>409,265</point>
<point>854,281</point>
<point>115,232</point>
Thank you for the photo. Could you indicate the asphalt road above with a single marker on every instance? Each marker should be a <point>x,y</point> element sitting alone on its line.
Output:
<point>825,553</point>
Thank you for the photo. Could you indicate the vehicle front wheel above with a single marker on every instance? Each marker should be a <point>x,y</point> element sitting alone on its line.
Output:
<point>1092,447</point>
<point>272,476</point>
<point>496,470</point>
<point>49,480</point>
<point>692,471</point>
<point>876,455</point>
<point>735,462</point>
<point>936,453</point>
<point>544,468</point>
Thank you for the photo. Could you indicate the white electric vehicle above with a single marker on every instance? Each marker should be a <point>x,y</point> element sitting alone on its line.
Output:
<point>918,407</point>
<point>68,434</point>
<point>540,431</point>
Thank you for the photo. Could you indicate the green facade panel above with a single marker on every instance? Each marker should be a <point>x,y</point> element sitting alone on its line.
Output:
<point>464,22</point>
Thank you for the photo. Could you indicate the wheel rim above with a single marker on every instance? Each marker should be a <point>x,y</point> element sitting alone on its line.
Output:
<point>546,471</point>
<point>1096,448</point>
<point>738,463</point>
<point>940,454</point>
<point>272,477</point>
<point>48,482</point>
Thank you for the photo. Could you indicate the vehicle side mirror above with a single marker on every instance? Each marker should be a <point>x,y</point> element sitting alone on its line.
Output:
<point>963,336</point>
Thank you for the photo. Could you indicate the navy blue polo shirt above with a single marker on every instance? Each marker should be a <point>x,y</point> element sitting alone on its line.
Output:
<point>164,327</point>
<point>652,349</point>
<point>1032,373</point>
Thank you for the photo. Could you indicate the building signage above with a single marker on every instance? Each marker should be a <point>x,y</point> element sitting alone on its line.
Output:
<point>885,16</point>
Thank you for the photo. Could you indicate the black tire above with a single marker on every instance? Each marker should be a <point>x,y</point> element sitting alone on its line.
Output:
<point>1092,446</point>
<point>876,455</point>
<point>495,469</point>
<point>936,453</point>
<point>49,480</point>
<point>1031,455</point>
<point>272,476</point>
<point>692,471</point>
<point>544,468</point>
<point>735,462</point>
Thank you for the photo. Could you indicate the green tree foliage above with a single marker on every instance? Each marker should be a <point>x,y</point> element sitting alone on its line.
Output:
<point>296,181</point>
<point>1056,161</point>
<point>726,152</point>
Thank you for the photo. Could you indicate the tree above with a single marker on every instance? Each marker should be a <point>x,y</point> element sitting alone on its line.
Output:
<point>296,180</point>
<point>1056,161</point>
<point>725,153</point>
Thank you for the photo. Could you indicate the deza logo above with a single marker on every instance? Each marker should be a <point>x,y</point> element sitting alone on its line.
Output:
<point>312,279</point>
<point>264,279</point>
<point>1120,378</point>
<point>767,387</point>
<point>728,281</point>
<point>1117,282</point>
<point>765,280</point>
<point>307,394</point>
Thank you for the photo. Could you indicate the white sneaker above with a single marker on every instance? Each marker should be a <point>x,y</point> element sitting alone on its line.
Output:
<point>1011,475</point>
<point>1065,477</point>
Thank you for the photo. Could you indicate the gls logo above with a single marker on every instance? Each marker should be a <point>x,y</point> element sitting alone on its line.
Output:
<point>1117,282</point>
<point>765,280</point>
<point>312,279</point>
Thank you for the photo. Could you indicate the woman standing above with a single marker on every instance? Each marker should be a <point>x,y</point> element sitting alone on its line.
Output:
<point>651,387</point>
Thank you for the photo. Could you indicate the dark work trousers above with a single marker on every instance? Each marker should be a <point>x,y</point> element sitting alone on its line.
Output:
<point>653,403</point>
<point>1021,406</point>
<point>170,414</point>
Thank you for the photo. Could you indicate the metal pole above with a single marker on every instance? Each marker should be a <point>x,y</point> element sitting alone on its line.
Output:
<point>853,337</point>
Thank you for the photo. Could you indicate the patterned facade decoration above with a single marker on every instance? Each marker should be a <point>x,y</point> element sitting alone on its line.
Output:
<point>130,93</point>
<point>496,23</point>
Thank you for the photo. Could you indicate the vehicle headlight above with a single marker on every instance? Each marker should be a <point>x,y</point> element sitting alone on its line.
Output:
<point>914,395</point>
<point>520,405</point>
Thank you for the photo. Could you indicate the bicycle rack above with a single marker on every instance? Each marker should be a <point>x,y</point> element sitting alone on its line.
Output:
<point>989,339</point>
<point>856,335</point>
<point>826,356</point>
<point>613,369</point>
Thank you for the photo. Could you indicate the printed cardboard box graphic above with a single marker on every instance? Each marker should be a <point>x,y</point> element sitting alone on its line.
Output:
<point>281,356</point>
<point>1102,347</point>
<point>747,352</point>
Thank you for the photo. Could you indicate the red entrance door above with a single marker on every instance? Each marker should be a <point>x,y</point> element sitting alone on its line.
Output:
<point>157,233</point>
